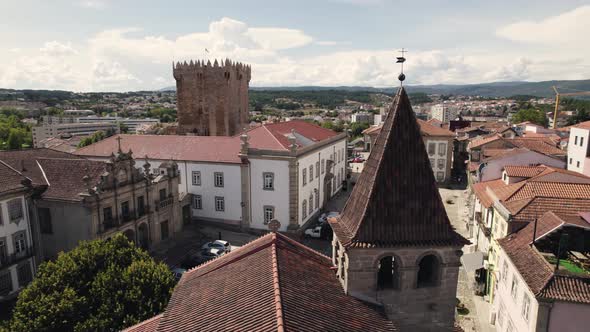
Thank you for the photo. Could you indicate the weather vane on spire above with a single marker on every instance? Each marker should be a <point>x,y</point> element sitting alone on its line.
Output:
<point>402,59</point>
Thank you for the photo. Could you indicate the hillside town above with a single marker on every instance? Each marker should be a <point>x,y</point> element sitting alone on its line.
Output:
<point>243,189</point>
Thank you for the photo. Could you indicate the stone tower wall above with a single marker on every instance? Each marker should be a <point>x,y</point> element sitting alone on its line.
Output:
<point>410,308</point>
<point>212,99</point>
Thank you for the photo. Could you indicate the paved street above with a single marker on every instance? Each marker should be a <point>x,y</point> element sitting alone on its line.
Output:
<point>456,203</point>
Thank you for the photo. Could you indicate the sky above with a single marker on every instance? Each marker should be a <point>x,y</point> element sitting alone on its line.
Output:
<point>129,45</point>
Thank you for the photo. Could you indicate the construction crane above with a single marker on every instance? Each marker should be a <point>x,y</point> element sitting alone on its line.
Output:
<point>569,94</point>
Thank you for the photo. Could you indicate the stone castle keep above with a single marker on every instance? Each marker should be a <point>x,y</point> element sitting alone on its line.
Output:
<point>212,99</point>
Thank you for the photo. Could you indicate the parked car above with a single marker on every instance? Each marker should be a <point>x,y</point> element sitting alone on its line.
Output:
<point>192,260</point>
<point>358,160</point>
<point>314,232</point>
<point>217,244</point>
<point>323,232</point>
<point>178,272</point>
<point>212,253</point>
<point>324,217</point>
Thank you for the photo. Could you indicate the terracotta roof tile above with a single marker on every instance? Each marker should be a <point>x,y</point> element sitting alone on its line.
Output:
<point>524,171</point>
<point>396,202</point>
<point>149,325</point>
<point>535,270</point>
<point>425,128</point>
<point>10,179</point>
<point>270,284</point>
<point>68,186</point>
<point>480,190</point>
<point>25,161</point>
<point>221,149</point>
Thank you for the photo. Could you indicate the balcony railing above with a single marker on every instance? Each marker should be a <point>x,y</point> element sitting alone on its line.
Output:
<point>7,260</point>
<point>164,203</point>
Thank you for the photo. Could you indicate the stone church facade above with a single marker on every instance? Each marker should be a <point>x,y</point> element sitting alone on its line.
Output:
<point>212,99</point>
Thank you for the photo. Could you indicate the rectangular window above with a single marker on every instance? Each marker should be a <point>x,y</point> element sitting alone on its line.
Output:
<point>571,161</point>
<point>125,212</point>
<point>440,176</point>
<point>432,163</point>
<point>140,206</point>
<point>514,288</point>
<point>163,194</point>
<point>3,250</point>
<point>45,221</point>
<point>24,274</point>
<point>304,209</point>
<point>505,271</point>
<point>5,283</point>
<point>442,149</point>
<point>107,214</point>
<point>20,242</point>
<point>526,305</point>
<point>581,141</point>
<point>219,203</point>
<point>317,198</point>
<point>164,233</point>
<point>1,217</point>
<point>323,165</point>
<point>198,203</point>
<point>431,148</point>
<point>577,164</point>
<point>269,214</point>
<point>196,178</point>
<point>15,209</point>
<point>310,173</point>
<point>576,140</point>
<point>441,163</point>
<point>317,170</point>
<point>304,176</point>
<point>268,179</point>
<point>218,177</point>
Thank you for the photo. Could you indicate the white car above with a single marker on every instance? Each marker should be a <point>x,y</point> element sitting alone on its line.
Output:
<point>212,253</point>
<point>324,217</point>
<point>217,244</point>
<point>315,232</point>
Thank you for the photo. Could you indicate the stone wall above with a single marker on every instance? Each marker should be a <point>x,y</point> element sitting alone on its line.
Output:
<point>409,307</point>
<point>212,99</point>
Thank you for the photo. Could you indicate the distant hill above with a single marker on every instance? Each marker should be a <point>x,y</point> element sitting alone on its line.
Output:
<point>495,89</point>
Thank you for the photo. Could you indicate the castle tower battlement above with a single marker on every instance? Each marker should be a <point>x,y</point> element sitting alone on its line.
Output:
<point>212,98</point>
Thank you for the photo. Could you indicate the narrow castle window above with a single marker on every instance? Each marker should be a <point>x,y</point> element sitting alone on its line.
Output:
<point>388,275</point>
<point>428,271</point>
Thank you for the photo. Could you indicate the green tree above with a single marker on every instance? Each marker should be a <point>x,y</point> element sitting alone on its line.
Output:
<point>532,115</point>
<point>102,285</point>
<point>356,128</point>
<point>15,140</point>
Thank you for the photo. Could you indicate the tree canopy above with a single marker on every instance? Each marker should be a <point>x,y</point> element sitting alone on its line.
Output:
<point>102,285</point>
<point>531,115</point>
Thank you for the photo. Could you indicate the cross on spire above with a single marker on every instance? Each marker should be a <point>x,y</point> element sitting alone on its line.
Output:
<point>402,59</point>
<point>119,142</point>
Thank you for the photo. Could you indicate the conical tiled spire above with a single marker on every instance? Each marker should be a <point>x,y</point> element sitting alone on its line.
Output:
<point>396,202</point>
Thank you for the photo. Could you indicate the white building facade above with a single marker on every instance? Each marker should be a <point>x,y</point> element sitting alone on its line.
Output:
<point>577,149</point>
<point>17,261</point>
<point>251,179</point>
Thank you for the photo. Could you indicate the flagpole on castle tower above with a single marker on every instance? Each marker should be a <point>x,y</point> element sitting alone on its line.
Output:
<point>402,59</point>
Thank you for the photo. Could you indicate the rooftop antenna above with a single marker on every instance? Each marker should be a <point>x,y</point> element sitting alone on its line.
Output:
<point>402,59</point>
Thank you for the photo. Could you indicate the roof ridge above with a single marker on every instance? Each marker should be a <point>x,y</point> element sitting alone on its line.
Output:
<point>43,172</point>
<point>276,285</point>
<point>392,110</point>
<point>273,136</point>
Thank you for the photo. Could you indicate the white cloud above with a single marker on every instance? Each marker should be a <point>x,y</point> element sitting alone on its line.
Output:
<point>55,48</point>
<point>92,4</point>
<point>128,59</point>
<point>570,28</point>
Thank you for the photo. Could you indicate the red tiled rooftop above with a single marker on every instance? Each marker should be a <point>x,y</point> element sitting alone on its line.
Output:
<point>10,179</point>
<point>524,171</point>
<point>271,284</point>
<point>220,149</point>
<point>149,325</point>
<point>536,271</point>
